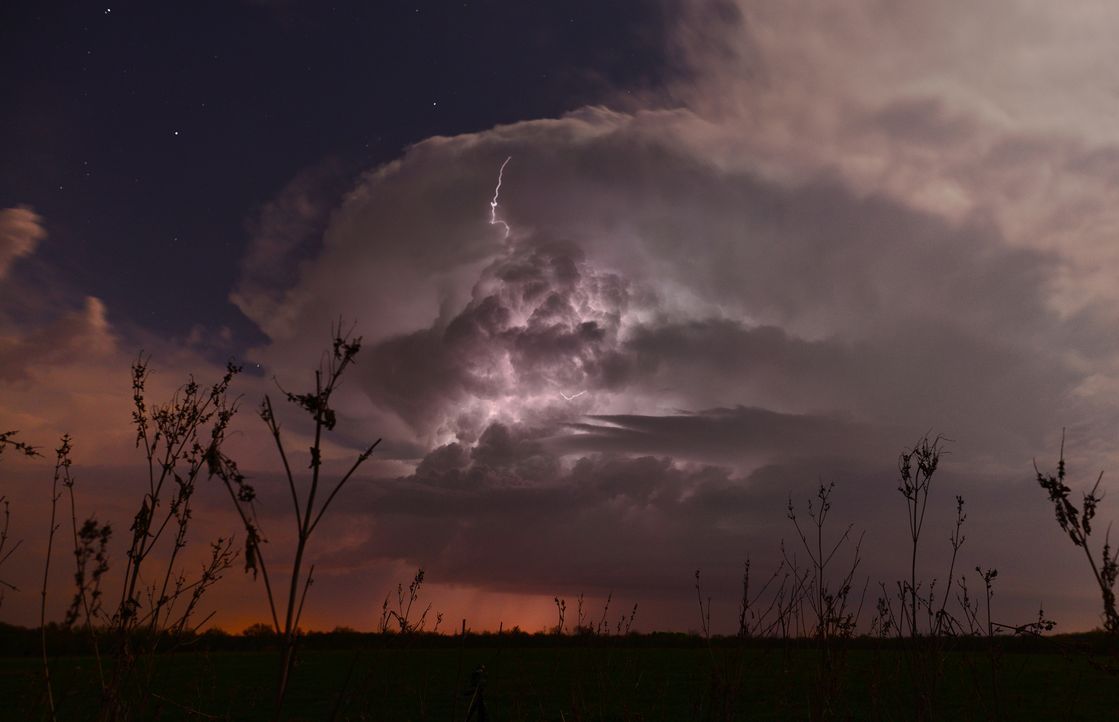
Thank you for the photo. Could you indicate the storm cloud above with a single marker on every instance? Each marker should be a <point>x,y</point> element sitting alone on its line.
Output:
<point>669,344</point>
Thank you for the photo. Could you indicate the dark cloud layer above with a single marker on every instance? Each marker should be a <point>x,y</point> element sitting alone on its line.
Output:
<point>639,525</point>
<point>728,435</point>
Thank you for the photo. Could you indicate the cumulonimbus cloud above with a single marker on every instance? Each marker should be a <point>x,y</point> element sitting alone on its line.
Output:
<point>737,332</point>
<point>817,249</point>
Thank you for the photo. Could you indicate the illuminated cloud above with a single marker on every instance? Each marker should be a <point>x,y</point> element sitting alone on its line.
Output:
<point>997,111</point>
<point>78,336</point>
<point>21,230</point>
<point>836,235</point>
<point>739,336</point>
<point>284,234</point>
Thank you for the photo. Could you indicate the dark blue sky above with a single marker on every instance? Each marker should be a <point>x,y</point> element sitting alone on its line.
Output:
<point>147,134</point>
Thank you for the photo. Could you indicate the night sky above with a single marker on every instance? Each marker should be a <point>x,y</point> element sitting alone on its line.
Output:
<point>150,133</point>
<point>739,248</point>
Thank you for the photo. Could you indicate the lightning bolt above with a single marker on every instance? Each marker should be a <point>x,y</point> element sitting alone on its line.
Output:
<point>571,398</point>
<point>494,220</point>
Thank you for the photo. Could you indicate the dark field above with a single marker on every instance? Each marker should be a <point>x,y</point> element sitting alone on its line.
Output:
<point>667,677</point>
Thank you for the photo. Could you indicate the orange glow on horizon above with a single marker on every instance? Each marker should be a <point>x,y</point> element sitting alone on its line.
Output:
<point>493,612</point>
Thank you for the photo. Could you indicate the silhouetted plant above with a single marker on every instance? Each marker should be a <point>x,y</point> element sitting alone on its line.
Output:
<point>178,447</point>
<point>721,694</point>
<point>91,560</point>
<point>603,626</point>
<point>980,621</point>
<point>561,612</point>
<point>834,619</point>
<point>994,656</point>
<point>744,602</point>
<point>917,466</point>
<point>91,563</point>
<point>754,620</point>
<point>61,476</point>
<point>625,623</point>
<point>704,609</point>
<point>8,441</point>
<point>5,552</point>
<point>923,657</point>
<point>401,617</point>
<point>1077,524</point>
<point>307,515</point>
<point>789,602</point>
<point>944,623</point>
<point>832,615</point>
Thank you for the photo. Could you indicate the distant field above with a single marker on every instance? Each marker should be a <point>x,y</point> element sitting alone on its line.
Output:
<point>606,679</point>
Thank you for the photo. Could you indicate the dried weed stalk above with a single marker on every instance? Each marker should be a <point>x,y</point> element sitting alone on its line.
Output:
<point>8,441</point>
<point>1077,523</point>
<point>158,598</point>
<point>308,511</point>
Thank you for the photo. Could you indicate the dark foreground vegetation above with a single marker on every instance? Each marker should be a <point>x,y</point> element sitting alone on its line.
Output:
<point>350,676</point>
<point>816,639</point>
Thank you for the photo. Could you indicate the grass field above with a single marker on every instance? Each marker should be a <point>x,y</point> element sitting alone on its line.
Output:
<point>638,678</point>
